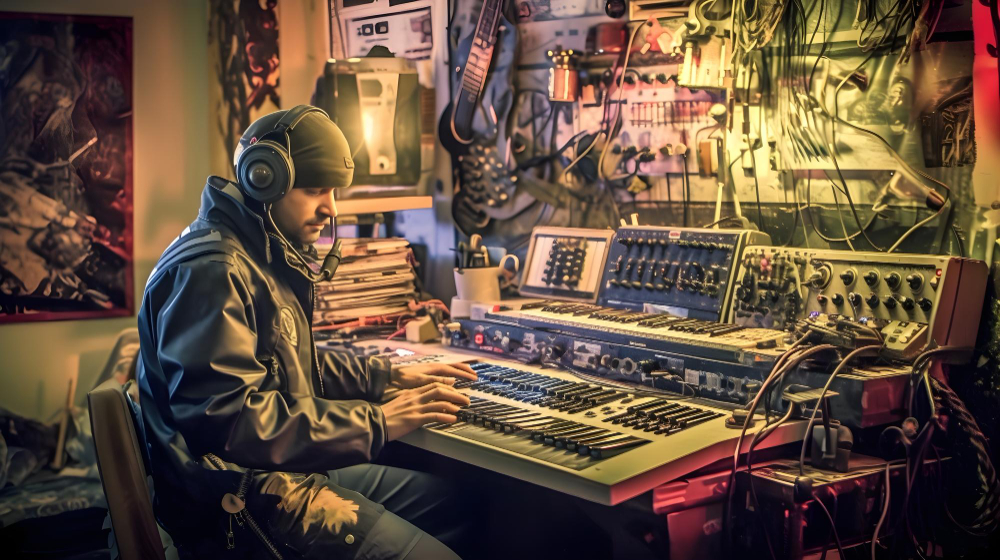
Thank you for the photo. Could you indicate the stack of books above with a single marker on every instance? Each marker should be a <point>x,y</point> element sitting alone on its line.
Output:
<point>375,279</point>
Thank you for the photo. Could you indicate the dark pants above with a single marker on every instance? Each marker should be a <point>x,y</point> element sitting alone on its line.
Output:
<point>365,511</point>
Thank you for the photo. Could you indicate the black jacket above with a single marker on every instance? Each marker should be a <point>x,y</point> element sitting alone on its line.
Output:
<point>229,368</point>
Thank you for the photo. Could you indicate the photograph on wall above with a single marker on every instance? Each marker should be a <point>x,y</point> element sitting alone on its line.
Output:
<point>244,72</point>
<point>65,167</point>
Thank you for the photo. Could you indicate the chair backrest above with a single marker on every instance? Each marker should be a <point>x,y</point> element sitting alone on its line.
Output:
<point>119,460</point>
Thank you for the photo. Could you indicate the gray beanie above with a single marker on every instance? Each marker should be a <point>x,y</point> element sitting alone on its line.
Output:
<point>318,148</point>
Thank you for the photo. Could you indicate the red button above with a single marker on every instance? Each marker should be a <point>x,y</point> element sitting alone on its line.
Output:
<point>479,338</point>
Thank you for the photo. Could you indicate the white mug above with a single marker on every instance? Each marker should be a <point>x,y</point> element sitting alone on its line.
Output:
<point>482,284</point>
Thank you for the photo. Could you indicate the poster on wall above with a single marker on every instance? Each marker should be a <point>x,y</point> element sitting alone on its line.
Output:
<point>65,167</point>
<point>406,34</point>
<point>244,72</point>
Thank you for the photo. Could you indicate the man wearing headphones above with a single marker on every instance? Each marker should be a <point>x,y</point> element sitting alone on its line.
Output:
<point>243,419</point>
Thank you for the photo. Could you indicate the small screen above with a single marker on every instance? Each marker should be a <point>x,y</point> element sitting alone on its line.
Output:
<point>566,266</point>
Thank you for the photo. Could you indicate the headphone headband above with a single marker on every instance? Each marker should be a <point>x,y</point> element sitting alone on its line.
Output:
<point>295,115</point>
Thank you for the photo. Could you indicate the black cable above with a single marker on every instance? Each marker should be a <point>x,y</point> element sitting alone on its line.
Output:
<point>833,525</point>
<point>958,239</point>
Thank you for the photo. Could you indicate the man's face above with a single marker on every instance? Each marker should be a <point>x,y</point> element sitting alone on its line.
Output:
<point>302,213</point>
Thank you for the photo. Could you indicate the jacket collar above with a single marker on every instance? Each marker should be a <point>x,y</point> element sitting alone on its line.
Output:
<point>222,202</point>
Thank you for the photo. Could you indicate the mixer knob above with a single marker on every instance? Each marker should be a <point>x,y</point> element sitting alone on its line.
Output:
<point>820,278</point>
<point>613,282</point>
<point>906,302</point>
<point>659,287</point>
<point>837,299</point>
<point>648,285</point>
<point>636,284</point>
<point>848,276</point>
<point>640,241</point>
<point>855,299</point>
<point>915,280</point>
<point>554,352</point>
<point>663,242</point>
<point>889,302</point>
<point>605,360</point>
<point>925,304</point>
<point>821,299</point>
<point>871,277</point>
<point>872,301</point>
<point>892,280</point>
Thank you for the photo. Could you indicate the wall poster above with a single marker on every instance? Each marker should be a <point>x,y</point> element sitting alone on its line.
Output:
<point>244,82</point>
<point>65,167</point>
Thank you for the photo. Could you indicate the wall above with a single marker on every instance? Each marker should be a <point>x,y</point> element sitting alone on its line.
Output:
<point>170,162</point>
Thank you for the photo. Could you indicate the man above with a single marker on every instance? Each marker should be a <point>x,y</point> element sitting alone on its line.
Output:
<point>243,419</point>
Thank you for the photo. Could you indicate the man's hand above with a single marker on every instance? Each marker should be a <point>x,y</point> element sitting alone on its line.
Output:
<point>412,408</point>
<point>418,375</point>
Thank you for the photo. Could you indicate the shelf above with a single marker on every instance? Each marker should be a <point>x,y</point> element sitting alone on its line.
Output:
<point>357,206</point>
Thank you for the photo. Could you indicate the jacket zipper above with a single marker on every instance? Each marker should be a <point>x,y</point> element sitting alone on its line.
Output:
<point>244,515</point>
<point>312,339</point>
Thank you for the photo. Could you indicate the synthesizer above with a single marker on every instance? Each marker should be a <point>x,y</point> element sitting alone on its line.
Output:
<point>601,442</point>
<point>911,299</point>
<point>865,396</point>
<point>695,337</point>
<point>686,271</point>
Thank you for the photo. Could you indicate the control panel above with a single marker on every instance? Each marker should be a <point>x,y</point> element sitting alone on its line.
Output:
<point>687,272</point>
<point>908,298</point>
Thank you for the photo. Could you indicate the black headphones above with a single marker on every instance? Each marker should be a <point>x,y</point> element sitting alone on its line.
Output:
<point>264,169</point>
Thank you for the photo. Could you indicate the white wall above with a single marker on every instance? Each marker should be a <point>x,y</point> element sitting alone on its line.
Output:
<point>170,163</point>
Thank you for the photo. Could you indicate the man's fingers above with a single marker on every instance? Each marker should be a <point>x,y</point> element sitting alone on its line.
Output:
<point>438,417</point>
<point>464,368</point>
<point>444,393</point>
<point>450,381</point>
<point>439,406</point>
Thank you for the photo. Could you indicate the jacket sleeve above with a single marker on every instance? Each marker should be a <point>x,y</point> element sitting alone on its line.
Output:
<point>346,376</point>
<point>207,343</point>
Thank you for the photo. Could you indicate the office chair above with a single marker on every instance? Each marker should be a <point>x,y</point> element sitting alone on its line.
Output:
<point>120,462</point>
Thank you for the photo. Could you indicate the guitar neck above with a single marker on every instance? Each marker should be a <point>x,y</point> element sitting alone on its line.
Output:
<point>478,63</point>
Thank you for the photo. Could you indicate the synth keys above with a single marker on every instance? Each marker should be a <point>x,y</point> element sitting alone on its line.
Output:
<point>522,424</point>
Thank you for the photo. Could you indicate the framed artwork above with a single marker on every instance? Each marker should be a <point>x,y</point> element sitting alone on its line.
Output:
<point>65,167</point>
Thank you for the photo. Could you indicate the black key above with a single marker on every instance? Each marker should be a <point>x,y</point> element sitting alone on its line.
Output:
<point>612,449</point>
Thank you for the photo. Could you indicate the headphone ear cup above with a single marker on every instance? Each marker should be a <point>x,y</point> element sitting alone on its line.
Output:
<point>265,171</point>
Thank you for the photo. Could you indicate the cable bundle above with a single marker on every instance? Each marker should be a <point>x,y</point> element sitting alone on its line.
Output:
<point>946,400</point>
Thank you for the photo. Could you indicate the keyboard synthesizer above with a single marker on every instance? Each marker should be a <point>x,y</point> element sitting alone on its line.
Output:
<point>599,442</point>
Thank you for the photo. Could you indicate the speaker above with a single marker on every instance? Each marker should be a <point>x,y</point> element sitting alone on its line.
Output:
<point>264,170</point>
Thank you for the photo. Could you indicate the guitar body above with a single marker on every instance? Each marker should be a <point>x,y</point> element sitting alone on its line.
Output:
<point>473,128</point>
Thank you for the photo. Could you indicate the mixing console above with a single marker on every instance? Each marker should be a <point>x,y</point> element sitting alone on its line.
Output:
<point>599,442</point>
<point>910,297</point>
<point>685,271</point>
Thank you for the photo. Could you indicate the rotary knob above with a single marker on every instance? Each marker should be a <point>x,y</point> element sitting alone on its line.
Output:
<point>837,299</point>
<point>855,299</point>
<point>925,304</point>
<point>906,302</point>
<point>871,277</point>
<point>872,301</point>
<point>889,302</point>
<point>892,280</point>
<point>848,276</point>
<point>553,352</point>
<point>820,278</point>
<point>915,280</point>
